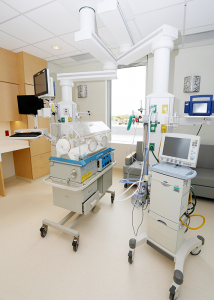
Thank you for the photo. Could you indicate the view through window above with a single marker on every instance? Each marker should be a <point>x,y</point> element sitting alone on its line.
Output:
<point>127,91</point>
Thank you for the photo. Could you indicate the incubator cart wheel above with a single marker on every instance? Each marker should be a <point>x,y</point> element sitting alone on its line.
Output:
<point>112,198</point>
<point>75,245</point>
<point>130,257</point>
<point>193,253</point>
<point>171,296</point>
<point>44,230</point>
<point>125,185</point>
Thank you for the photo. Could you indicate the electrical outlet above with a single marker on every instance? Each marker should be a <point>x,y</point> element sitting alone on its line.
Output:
<point>6,132</point>
<point>155,108</point>
<point>152,147</point>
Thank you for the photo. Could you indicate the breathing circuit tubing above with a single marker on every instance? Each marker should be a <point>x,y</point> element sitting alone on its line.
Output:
<point>143,166</point>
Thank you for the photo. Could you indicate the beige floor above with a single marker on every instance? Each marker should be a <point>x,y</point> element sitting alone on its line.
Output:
<point>33,268</point>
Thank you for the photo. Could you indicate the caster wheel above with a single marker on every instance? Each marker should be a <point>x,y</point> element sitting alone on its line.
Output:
<point>195,253</point>
<point>75,245</point>
<point>43,231</point>
<point>171,296</point>
<point>125,185</point>
<point>112,198</point>
<point>130,257</point>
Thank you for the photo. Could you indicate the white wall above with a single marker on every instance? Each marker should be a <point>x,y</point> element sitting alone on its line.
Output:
<point>96,93</point>
<point>54,70</point>
<point>187,62</point>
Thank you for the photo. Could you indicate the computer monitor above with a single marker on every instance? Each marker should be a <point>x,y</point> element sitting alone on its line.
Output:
<point>43,84</point>
<point>29,104</point>
<point>180,149</point>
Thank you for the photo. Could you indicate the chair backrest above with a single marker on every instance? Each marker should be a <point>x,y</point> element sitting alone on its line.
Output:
<point>206,157</point>
<point>139,151</point>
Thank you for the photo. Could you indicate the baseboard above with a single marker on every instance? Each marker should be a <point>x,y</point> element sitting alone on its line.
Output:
<point>23,178</point>
<point>9,179</point>
<point>117,169</point>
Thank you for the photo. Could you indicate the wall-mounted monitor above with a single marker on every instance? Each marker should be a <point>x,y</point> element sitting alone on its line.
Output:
<point>43,84</point>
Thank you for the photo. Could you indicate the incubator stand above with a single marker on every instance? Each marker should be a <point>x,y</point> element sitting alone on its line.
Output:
<point>80,171</point>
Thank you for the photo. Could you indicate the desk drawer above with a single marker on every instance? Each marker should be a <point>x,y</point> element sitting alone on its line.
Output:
<point>41,170</point>
<point>41,159</point>
<point>39,146</point>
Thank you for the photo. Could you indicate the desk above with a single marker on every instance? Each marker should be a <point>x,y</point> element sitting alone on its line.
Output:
<point>5,147</point>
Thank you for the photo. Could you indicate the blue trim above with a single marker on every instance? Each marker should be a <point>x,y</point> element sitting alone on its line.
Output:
<point>83,162</point>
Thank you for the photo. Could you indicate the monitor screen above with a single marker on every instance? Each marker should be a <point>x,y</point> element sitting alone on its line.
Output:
<point>200,108</point>
<point>176,147</point>
<point>41,83</point>
<point>28,105</point>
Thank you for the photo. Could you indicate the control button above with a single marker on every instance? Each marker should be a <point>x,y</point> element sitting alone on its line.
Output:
<point>180,162</point>
<point>171,160</point>
<point>192,157</point>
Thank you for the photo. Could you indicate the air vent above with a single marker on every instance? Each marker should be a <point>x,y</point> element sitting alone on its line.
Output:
<point>197,37</point>
<point>82,57</point>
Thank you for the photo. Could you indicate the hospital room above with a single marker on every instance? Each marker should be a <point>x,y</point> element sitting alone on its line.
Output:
<point>106,149</point>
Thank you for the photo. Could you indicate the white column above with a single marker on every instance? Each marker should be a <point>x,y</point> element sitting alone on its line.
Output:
<point>87,18</point>
<point>66,85</point>
<point>161,50</point>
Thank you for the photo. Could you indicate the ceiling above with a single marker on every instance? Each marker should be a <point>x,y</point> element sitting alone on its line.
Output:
<point>34,26</point>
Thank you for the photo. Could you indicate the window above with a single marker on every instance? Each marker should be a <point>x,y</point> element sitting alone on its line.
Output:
<point>126,93</point>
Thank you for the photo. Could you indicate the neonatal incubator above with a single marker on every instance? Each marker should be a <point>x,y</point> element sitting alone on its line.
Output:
<point>80,170</point>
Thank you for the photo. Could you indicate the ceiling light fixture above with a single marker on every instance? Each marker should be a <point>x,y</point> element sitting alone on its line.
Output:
<point>56,47</point>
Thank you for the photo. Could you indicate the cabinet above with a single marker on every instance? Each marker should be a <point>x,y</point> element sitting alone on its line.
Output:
<point>8,99</point>
<point>33,163</point>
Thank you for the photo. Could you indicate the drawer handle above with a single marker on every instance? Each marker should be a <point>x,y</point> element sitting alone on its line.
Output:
<point>42,156</point>
<point>162,222</point>
<point>165,184</point>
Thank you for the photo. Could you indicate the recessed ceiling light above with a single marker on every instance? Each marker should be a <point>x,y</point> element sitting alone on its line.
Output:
<point>56,47</point>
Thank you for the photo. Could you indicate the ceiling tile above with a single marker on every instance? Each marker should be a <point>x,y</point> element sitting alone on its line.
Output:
<point>46,46</point>
<point>51,58</point>
<point>76,63</point>
<point>6,12</point>
<point>70,39</point>
<point>127,9</point>
<point>139,6</point>
<point>106,36</point>
<point>25,5</point>
<point>33,51</point>
<point>199,13</point>
<point>172,15</point>
<point>134,30</point>
<point>55,18</point>
<point>199,29</point>
<point>64,61</point>
<point>70,54</point>
<point>8,42</point>
<point>99,21</point>
<point>25,30</point>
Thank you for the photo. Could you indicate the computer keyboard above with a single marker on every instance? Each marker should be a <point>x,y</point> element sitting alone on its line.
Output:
<point>26,134</point>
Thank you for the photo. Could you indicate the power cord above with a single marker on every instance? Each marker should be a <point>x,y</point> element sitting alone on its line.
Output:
<point>200,129</point>
<point>135,233</point>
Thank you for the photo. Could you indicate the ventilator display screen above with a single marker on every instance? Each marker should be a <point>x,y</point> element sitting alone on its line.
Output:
<point>176,147</point>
